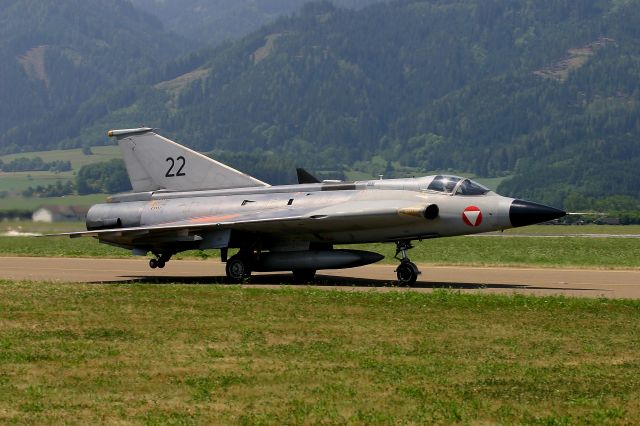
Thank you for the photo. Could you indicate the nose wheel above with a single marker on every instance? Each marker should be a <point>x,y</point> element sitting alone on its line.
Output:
<point>160,261</point>
<point>407,272</point>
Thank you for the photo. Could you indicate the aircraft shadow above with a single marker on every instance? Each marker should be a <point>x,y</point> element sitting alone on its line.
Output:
<point>334,281</point>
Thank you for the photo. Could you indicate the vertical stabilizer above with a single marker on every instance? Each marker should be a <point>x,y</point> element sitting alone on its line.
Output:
<point>154,162</point>
<point>306,177</point>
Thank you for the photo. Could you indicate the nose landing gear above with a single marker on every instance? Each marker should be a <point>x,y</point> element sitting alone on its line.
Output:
<point>407,272</point>
<point>160,261</point>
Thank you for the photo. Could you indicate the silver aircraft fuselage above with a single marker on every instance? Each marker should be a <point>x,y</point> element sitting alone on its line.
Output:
<point>183,200</point>
<point>333,213</point>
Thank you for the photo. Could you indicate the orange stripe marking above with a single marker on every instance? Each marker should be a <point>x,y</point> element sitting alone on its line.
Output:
<point>214,218</point>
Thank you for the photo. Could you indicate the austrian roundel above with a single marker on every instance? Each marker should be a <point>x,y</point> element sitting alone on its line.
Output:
<point>472,216</point>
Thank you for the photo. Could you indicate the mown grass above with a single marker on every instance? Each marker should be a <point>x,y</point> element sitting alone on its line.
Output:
<point>78,247</point>
<point>606,253</point>
<point>33,203</point>
<point>575,229</point>
<point>610,253</point>
<point>19,181</point>
<point>41,227</point>
<point>190,354</point>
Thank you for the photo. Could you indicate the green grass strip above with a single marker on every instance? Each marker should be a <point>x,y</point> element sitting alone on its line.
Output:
<point>208,354</point>
<point>610,253</point>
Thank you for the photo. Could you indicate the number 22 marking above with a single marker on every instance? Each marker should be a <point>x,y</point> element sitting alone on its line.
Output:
<point>173,163</point>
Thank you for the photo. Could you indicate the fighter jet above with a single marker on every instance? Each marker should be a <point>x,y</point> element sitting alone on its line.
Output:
<point>183,200</point>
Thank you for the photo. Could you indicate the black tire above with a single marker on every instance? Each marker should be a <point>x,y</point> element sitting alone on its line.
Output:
<point>304,275</point>
<point>407,273</point>
<point>161,263</point>
<point>237,269</point>
<point>153,263</point>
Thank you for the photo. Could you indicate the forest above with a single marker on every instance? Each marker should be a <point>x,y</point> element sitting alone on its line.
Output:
<point>543,94</point>
<point>56,55</point>
<point>211,22</point>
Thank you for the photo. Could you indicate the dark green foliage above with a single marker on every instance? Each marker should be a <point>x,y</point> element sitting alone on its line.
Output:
<point>57,190</point>
<point>55,55</point>
<point>60,166</point>
<point>23,164</point>
<point>409,86</point>
<point>214,21</point>
<point>106,177</point>
<point>266,166</point>
<point>426,85</point>
<point>15,214</point>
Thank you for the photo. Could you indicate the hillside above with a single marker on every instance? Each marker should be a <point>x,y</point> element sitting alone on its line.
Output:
<point>214,21</point>
<point>55,55</point>
<point>546,94</point>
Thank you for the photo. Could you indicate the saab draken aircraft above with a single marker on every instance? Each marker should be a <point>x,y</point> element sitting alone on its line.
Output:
<point>183,200</point>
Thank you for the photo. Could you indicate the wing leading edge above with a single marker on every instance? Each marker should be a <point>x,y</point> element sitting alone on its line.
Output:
<point>198,224</point>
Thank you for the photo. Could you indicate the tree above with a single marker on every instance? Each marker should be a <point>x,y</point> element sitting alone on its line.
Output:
<point>105,177</point>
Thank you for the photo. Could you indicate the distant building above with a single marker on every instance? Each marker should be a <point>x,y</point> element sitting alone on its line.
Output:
<point>60,214</point>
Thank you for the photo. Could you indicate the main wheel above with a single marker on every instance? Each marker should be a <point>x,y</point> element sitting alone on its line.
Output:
<point>237,269</point>
<point>161,263</point>
<point>407,273</point>
<point>153,263</point>
<point>304,275</point>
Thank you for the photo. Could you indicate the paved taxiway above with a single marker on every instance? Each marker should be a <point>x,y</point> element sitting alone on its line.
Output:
<point>568,282</point>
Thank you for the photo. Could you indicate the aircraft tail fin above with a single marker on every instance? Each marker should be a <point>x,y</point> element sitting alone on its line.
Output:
<point>154,162</point>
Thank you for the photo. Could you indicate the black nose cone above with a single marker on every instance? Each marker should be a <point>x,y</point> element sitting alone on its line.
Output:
<point>523,213</point>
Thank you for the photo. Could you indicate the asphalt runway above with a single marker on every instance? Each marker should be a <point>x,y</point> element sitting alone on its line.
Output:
<point>538,281</point>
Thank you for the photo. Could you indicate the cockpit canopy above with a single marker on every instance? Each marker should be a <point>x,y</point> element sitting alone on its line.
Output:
<point>450,185</point>
<point>456,185</point>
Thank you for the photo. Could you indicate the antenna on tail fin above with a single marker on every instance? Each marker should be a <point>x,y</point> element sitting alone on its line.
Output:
<point>154,162</point>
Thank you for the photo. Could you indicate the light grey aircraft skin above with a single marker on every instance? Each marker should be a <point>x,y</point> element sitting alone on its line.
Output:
<point>183,200</point>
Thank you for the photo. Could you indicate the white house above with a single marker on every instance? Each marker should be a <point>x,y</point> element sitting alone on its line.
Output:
<point>60,214</point>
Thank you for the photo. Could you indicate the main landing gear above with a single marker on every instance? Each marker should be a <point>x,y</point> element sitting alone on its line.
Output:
<point>160,261</point>
<point>407,272</point>
<point>238,267</point>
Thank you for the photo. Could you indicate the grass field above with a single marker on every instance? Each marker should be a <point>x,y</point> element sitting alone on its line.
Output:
<point>576,229</point>
<point>75,156</point>
<point>199,354</point>
<point>16,182</point>
<point>609,253</point>
<point>36,202</point>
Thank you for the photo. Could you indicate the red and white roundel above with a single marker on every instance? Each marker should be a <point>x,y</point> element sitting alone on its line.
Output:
<point>472,216</point>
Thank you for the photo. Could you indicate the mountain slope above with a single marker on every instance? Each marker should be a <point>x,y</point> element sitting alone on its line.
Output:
<point>547,93</point>
<point>55,55</point>
<point>214,21</point>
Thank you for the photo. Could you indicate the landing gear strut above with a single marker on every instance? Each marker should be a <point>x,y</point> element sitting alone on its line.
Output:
<point>160,261</point>
<point>407,272</point>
